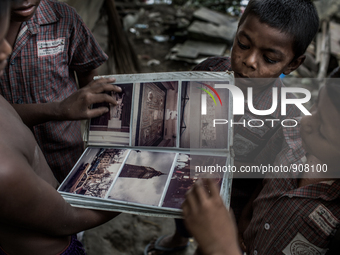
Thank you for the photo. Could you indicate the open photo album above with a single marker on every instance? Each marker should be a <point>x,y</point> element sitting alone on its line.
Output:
<point>145,153</point>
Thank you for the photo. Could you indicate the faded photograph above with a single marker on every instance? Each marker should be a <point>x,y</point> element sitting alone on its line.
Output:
<point>114,126</point>
<point>186,174</point>
<point>95,172</point>
<point>143,177</point>
<point>157,114</point>
<point>201,104</point>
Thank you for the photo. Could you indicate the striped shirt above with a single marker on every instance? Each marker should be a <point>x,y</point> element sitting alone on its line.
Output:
<point>50,46</point>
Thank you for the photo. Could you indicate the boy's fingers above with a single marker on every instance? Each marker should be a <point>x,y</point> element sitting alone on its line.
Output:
<point>194,196</point>
<point>105,80</point>
<point>103,85</point>
<point>199,191</point>
<point>97,112</point>
<point>212,187</point>
<point>190,203</point>
<point>103,98</point>
<point>185,208</point>
<point>232,215</point>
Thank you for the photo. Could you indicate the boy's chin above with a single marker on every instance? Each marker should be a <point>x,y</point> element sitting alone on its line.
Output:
<point>256,83</point>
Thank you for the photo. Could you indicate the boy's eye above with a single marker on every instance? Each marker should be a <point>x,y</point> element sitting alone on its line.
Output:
<point>242,46</point>
<point>268,60</point>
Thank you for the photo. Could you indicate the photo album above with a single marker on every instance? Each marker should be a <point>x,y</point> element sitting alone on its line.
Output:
<point>166,131</point>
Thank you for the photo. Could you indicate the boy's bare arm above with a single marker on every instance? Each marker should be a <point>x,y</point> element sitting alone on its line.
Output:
<point>209,221</point>
<point>29,202</point>
<point>75,107</point>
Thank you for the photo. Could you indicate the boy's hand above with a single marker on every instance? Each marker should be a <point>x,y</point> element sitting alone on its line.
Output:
<point>77,106</point>
<point>206,217</point>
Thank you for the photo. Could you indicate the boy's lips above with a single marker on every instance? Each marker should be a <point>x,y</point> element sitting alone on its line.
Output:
<point>24,11</point>
<point>239,75</point>
<point>244,80</point>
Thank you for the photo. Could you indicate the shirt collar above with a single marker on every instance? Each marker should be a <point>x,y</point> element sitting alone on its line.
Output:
<point>319,190</point>
<point>294,141</point>
<point>45,14</point>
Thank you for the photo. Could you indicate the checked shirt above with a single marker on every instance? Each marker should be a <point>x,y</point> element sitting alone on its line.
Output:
<point>288,219</point>
<point>249,142</point>
<point>49,48</point>
<point>292,220</point>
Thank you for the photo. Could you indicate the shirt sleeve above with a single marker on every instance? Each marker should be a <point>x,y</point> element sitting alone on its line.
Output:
<point>85,53</point>
<point>214,64</point>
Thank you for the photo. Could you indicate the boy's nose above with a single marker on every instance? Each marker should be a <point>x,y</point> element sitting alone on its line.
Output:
<point>250,60</point>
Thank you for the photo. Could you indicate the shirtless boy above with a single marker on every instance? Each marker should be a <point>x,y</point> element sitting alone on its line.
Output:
<point>34,218</point>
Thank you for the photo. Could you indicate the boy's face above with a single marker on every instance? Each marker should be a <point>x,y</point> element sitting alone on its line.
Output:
<point>261,51</point>
<point>320,132</point>
<point>5,48</point>
<point>23,10</point>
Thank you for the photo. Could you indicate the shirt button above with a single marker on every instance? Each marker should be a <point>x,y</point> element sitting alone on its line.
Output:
<point>12,63</point>
<point>20,101</point>
<point>266,226</point>
<point>255,252</point>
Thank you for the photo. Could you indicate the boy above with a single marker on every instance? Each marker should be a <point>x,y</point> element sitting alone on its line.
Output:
<point>34,218</point>
<point>50,42</point>
<point>291,216</point>
<point>271,39</point>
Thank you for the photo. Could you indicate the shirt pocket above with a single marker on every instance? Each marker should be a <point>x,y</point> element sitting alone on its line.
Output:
<point>302,237</point>
<point>54,77</point>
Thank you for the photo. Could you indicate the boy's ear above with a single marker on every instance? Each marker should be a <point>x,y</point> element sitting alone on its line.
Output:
<point>294,65</point>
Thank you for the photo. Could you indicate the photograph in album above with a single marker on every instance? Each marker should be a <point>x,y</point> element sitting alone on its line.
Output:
<point>184,176</point>
<point>143,177</point>
<point>114,125</point>
<point>95,172</point>
<point>202,103</point>
<point>156,117</point>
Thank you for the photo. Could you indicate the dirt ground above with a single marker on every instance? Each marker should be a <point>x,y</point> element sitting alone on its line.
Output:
<point>128,235</point>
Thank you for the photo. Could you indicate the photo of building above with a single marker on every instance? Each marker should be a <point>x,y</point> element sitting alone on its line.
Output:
<point>143,177</point>
<point>115,124</point>
<point>157,114</point>
<point>197,129</point>
<point>184,176</point>
<point>95,176</point>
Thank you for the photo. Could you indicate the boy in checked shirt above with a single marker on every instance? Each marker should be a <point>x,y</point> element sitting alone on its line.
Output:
<point>50,44</point>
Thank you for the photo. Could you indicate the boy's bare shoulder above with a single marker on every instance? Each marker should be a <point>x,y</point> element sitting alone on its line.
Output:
<point>12,165</point>
<point>16,144</point>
